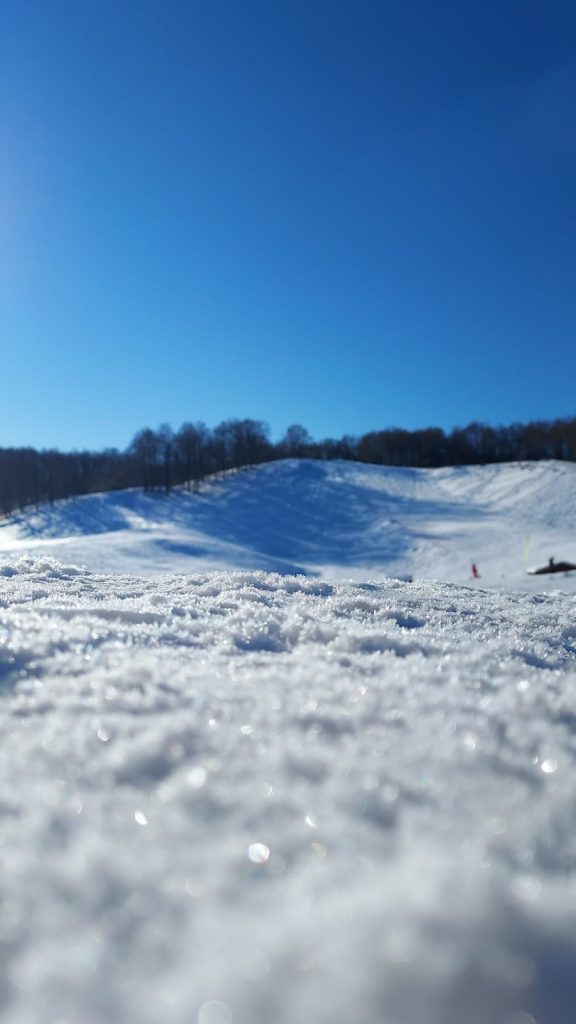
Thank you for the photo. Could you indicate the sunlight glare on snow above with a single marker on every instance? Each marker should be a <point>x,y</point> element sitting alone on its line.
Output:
<point>215,1012</point>
<point>258,853</point>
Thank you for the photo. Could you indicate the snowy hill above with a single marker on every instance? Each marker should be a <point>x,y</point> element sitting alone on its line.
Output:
<point>338,520</point>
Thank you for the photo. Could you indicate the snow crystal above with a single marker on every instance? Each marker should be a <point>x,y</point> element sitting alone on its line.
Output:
<point>231,797</point>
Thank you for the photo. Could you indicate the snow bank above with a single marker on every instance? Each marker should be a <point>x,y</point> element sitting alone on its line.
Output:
<point>241,797</point>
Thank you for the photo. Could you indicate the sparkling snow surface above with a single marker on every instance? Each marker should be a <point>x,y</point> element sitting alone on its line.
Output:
<point>235,798</point>
<point>245,797</point>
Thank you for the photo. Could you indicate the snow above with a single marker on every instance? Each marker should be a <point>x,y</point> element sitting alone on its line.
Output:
<point>340,520</point>
<point>238,795</point>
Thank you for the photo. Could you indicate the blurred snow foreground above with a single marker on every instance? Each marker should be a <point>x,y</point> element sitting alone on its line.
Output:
<point>240,797</point>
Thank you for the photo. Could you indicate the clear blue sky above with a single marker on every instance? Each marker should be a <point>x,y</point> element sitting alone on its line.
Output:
<point>350,215</point>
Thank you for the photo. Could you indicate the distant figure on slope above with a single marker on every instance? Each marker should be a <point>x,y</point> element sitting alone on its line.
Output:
<point>475,572</point>
<point>551,563</point>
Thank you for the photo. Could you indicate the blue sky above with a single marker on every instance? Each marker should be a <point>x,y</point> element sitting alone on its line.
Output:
<point>350,215</point>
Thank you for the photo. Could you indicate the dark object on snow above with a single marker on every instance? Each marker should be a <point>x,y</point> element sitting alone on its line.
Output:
<point>553,567</point>
<point>475,572</point>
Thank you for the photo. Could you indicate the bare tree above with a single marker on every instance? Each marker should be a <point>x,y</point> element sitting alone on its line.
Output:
<point>145,449</point>
<point>296,443</point>
<point>192,451</point>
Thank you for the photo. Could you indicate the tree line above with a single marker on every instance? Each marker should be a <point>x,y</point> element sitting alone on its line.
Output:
<point>159,460</point>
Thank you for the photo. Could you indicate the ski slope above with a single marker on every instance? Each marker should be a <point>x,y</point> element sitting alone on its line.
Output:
<point>337,520</point>
<point>248,775</point>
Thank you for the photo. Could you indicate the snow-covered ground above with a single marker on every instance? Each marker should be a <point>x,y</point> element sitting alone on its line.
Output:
<point>339,520</point>
<point>233,797</point>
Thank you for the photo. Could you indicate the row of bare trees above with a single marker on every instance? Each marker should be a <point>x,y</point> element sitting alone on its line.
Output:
<point>472,445</point>
<point>162,459</point>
